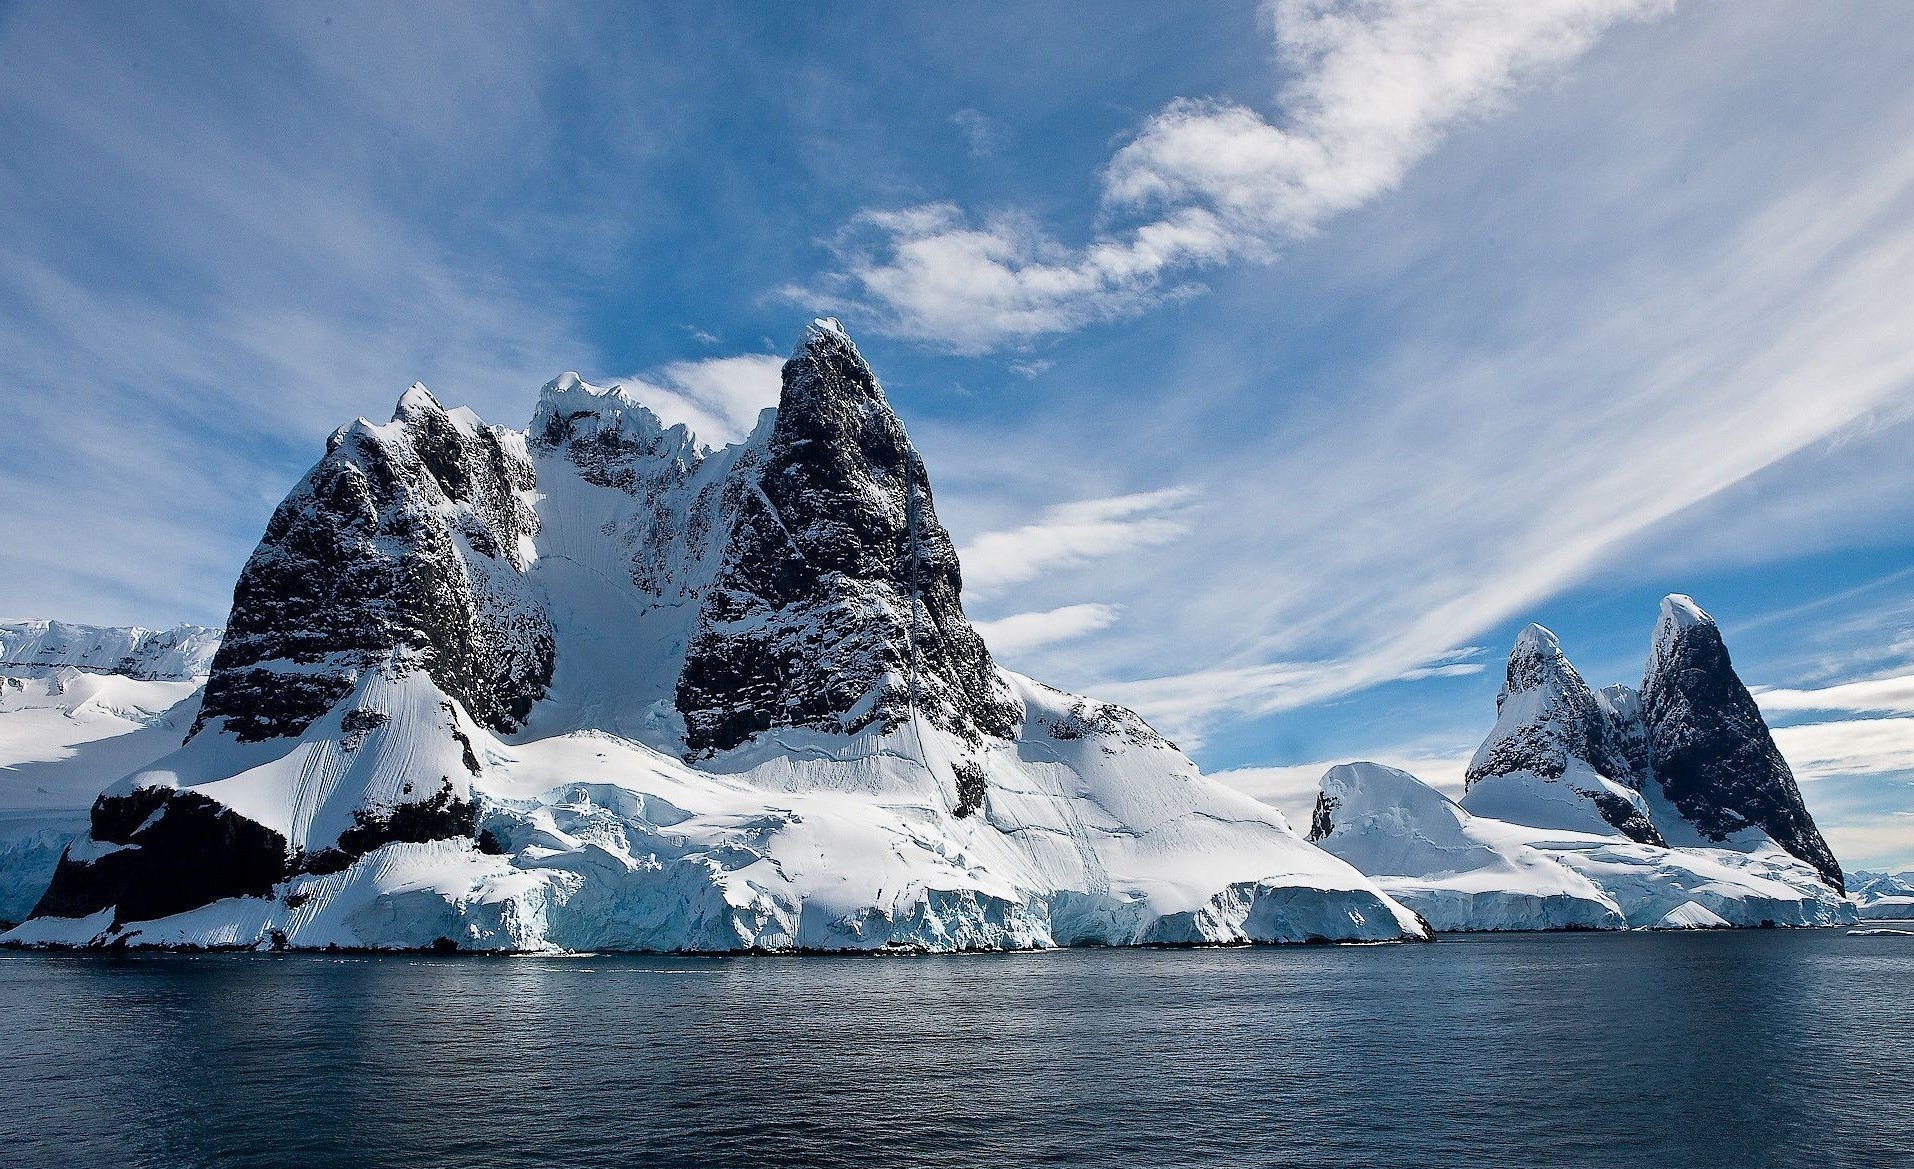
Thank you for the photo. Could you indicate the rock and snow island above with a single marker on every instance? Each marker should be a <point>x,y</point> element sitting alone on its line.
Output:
<point>594,685</point>
<point>1667,807</point>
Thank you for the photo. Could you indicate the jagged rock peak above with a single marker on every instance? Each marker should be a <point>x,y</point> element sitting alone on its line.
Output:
<point>837,602</point>
<point>1711,749</point>
<point>1551,726</point>
<point>1547,717</point>
<point>406,541</point>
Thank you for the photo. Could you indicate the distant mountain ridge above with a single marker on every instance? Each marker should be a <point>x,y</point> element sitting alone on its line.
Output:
<point>37,648</point>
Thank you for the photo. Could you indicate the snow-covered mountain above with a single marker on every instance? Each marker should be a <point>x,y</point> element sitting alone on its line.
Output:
<point>1709,750</point>
<point>80,707</point>
<point>37,649</point>
<point>1883,895</point>
<point>1559,752</point>
<point>1589,808</point>
<point>596,685</point>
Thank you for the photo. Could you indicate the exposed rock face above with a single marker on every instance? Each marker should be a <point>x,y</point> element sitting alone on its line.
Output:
<point>836,603</point>
<point>1627,735</point>
<point>1551,725</point>
<point>1711,750</point>
<point>156,852</point>
<point>407,539</point>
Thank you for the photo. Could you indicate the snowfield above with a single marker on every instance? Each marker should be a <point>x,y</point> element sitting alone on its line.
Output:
<point>1465,872</point>
<point>65,734</point>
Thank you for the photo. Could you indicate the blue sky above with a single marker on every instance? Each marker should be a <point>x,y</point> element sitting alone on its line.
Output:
<point>1274,365</point>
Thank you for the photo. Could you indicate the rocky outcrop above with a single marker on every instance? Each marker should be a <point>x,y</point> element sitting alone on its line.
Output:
<point>156,852</point>
<point>1552,728</point>
<point>1711,750</point>
<point>836,605</point>
<point>405,544</point>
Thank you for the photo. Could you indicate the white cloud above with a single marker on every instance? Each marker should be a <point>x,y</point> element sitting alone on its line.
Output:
<point>983,137</point>
<point>1183,706</point>
<point>1021,632</point>
<point>1371,88</point>
<point>719,398</point>
<point>1861,746</point>
<point>1456,663</point>
<point>1884,842</point>
<point>1873,696</point>
<point>1072,534</point>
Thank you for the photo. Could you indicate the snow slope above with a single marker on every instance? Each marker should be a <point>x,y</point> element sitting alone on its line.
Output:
<point>599,686</point>
<point>67,733</point>
<point>1467,872</point>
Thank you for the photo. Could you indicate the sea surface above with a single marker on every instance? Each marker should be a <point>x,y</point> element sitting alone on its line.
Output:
<point>1744,1049</point>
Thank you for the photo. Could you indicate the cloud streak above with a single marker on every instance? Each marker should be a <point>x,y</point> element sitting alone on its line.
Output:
<point>1072,534</point>
<point>1022,632</point>
<point>1371,89</point>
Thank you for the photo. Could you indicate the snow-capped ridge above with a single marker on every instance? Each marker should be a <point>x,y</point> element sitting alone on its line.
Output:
<point>36,648</point>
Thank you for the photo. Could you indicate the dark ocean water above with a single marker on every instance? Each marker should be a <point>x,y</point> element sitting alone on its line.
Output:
<point>1728,1049</point>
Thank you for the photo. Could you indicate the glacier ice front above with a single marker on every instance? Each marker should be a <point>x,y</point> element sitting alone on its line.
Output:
<point>596,685</point>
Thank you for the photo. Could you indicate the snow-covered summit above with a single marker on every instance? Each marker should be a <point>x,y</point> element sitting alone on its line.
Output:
<point>1680,612</point>
<point>592,686</point>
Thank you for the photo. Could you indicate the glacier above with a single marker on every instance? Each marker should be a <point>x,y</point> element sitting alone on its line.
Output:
<point>1466,873</point>
<point>80,707</point>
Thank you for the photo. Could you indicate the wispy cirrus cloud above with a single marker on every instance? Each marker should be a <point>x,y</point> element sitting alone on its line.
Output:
<point>1369,89</point>
<point>1021,632</point>
<point>1071,534</point>
<point>1888,695</point>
